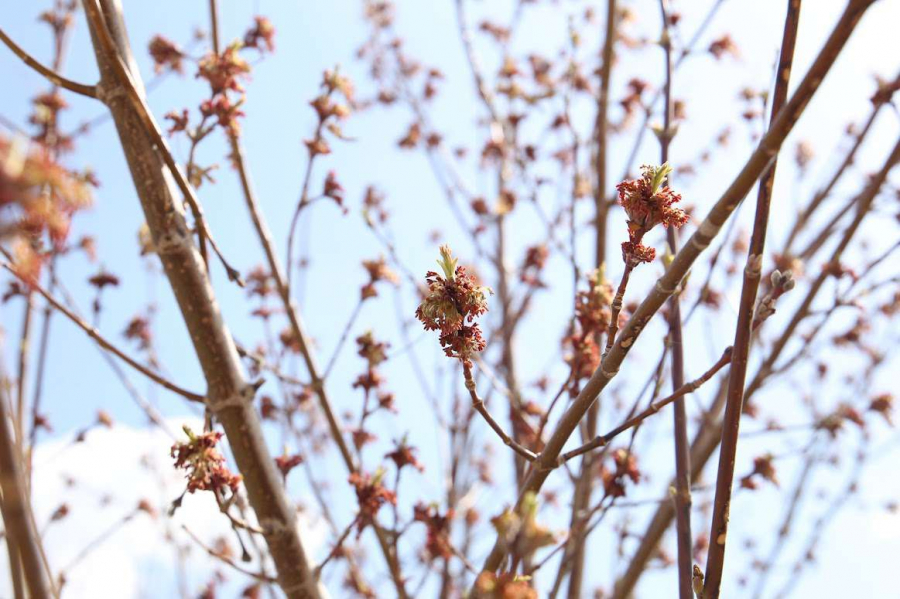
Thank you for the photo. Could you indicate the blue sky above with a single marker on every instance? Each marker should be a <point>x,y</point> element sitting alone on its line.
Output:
<point>313,36</point>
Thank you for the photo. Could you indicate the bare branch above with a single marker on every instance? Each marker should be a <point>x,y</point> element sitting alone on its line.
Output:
<point>55,78</point>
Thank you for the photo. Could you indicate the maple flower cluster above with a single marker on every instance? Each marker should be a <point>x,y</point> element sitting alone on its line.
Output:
<point>223,71</point>
<point>205,465</point>
<point>371,494</point>
<point>592,315</point>
<point>437,538</point>
<point>450,306</point>
<point>647,204</point>
<point>37,195</point>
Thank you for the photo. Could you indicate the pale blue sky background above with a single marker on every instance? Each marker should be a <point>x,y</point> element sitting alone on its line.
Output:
<point>313,36</point>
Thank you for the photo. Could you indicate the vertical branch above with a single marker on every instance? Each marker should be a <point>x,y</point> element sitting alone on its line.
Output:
<point>582,493</point>
<point>22,373</point>
<point>16,518</point>
<point>15,568</point>
<point>743,330</point>
<point>230,397</point>
<point>601,130</point>
<point>682,499</point>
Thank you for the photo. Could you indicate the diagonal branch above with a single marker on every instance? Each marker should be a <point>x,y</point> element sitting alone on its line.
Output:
<point>653,408</point>
<point>104,343</point>
<point>710,433</point>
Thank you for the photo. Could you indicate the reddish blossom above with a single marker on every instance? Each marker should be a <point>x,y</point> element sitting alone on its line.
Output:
<point>223,71</point>
<point>204,464</point>
<point>104,279</point>
<point>405,455</point>
<point>437,539</point>
<point>138,329</point>
<point>332,189</point>
<point>286,463</point>
<point>179,121</point>
<point>647,204</point>
<point>453,300</point>
<point>371,495</point>
<point>166,55</point>
<point>261,36</point>
<point>225,111</point>
<point>378,271</point>
<point>724,45</point>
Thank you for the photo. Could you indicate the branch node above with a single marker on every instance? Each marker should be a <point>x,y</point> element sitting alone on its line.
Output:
<point>242,398</point>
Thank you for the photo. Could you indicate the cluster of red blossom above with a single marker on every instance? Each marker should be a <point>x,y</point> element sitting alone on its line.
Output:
<point>437,539</point>
<point>205,465</point>
<point>592,314</point>
<point>378,271</point>
<point>371,495</point>
<point>647,204</point>
<point>329,111</point>
<point>41,195</point>
<point>625,466</point>
<point>452,301</point>
<point>223,71</point>
<point>371,382</point>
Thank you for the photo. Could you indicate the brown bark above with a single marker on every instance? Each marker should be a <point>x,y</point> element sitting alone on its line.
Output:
<point>22,536</point>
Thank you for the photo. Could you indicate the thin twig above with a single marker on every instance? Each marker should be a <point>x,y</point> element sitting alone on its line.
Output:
<point>478,406</point>
<point>227,560</point>
<point>104,343</point>
<point>79,88</point>
<point>653,408</point>
<point>682,496</point>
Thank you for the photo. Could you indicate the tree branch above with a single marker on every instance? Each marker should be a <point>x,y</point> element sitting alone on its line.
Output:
<point>669,282</point>
<point>229,397</point>
<point>55,78</point>
<point>682,497</point>
<point>653,408</point>
<point>104,343</point>
<point>744,328</point>
<point>710,434</point>
<point>16,517</point>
